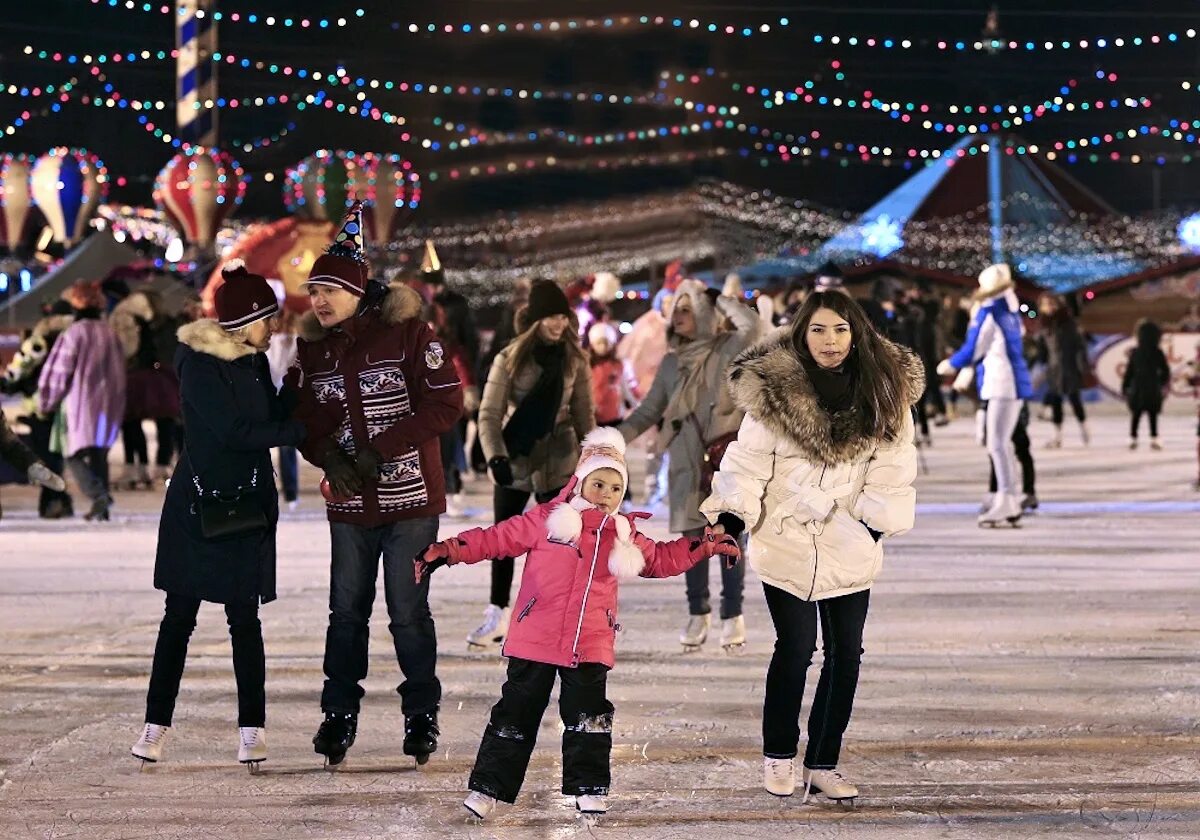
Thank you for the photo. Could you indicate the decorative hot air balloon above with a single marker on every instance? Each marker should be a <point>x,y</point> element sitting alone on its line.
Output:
<point>15,199</point>
<point>324,184</point>
<point>197,189</point>
<point>68,185</point>
<point>393,192</point>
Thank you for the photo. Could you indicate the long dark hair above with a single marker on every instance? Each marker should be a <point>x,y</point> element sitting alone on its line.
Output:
<point>879,376</point>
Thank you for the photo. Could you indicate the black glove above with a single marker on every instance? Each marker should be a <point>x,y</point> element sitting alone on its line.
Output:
<point>342,473</point>
<point>875,535</point>
<point>501,471</point>
<point>732,524</point>
<point>366,465</point>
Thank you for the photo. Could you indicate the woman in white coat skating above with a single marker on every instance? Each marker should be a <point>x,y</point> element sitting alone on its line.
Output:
<point>821,472</point>
<point>993,345</point>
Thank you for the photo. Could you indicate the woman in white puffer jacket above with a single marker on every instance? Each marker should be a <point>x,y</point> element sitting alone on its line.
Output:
<point>821,471</point>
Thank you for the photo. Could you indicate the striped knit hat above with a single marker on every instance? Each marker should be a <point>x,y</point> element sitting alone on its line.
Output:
<point>243,298</point>
<point>344,263</point>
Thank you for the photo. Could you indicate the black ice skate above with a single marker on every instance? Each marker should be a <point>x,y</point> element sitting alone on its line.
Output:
<point>420,735</point>
<point>335,736</point>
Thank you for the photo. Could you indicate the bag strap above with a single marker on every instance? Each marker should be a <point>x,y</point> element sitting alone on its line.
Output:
<point>192,463</point>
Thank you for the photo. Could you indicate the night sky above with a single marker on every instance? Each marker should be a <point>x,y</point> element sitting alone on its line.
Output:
<point>626,64</point>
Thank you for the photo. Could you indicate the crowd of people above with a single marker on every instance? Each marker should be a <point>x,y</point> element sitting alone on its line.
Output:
<point>790,426</point>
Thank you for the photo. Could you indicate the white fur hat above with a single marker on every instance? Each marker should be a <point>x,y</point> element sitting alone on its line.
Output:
<point>602,331</point>
<point>603,448</point>
<point>605,286</point>
<point>994,280</point>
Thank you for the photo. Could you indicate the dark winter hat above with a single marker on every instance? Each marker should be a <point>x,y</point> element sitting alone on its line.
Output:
<point>243,298</point>
<point>344,263</point>
<point>546,299</point>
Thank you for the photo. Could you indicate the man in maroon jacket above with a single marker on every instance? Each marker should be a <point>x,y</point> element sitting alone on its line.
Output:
<point>377,390</point>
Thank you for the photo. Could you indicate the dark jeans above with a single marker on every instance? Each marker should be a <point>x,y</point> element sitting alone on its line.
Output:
<point>732,583</point>
<point>136,447</point>
<point>170,653</point>
<point>289,473</point>
<point>1055,401</point>
<point>507,503</point>
<point>1024,451</point>
<point>451,446</point>
<point>90,468</point>
<point>1136,420</point>
<point>795,621</point>
<point>511,732</point>
<point>355,566</point>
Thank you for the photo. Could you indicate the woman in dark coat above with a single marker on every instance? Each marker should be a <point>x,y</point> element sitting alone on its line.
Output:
<point>1144,385</point>
<point>1061,347</point>
<point>232,418</point>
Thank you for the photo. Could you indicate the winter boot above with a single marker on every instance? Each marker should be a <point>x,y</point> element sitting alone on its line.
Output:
<point>591,804</point>
<point>696,632</point>
<point>733,634</point>
<point>1005,510</point>
<point>829,782</point>
<point>99,510</point>
<point>335,736</point>
<point>480,804</point>
<point>149,747</point>
<point>1133,443</point>
<point>420,735</point>
<point>779,776</point>
<point>252,746</point>
<point>492,631</point>
<point>1056,441</point>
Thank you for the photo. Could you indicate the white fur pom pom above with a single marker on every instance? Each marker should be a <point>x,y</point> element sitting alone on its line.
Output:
<point>564,524</point>
<point>233,266</point>
<point>625,561</point>
<point>604,436</point>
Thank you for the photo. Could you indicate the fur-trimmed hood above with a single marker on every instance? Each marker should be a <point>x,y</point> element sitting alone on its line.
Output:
<point>124,320</point>
<point>399,304</point>
<point>208,337</point>
<point>768,381</point>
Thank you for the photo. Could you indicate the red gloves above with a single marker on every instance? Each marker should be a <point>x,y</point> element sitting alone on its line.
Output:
<point>712,543</point>
<point>435,556</point>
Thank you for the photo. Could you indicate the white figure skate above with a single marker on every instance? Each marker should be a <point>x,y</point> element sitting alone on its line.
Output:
<point>779,776</point>
<point>492,631</point>
<point>1005,511</point>
<point>695,633</point>
<point>733,635</point>
<point>479,804</point>
<point>252,747</point>
<point>833,784</point>
<point>149,747</point>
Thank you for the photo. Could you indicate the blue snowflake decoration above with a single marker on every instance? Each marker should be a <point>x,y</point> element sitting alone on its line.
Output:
<point>882,236</point>
<point>1189,231</point>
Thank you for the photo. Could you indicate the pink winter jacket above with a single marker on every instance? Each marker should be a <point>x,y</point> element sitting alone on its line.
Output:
<point>566,611</point>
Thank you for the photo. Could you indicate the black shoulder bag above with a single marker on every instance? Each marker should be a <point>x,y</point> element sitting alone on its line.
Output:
<point>228,513</point>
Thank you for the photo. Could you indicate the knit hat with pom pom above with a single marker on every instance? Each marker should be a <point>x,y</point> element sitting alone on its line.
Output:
<point>603,448</point>
<point>243,298</point>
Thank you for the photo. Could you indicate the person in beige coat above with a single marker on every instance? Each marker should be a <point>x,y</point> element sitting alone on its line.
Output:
<point>536,408</point>
<point>820,474</point>
<point>690,400</point>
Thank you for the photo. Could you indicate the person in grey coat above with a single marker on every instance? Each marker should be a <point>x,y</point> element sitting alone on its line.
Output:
<point>691,400</point>
<point>232,418</point>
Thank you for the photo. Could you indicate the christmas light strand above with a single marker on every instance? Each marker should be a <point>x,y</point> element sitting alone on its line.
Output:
<point>268,20</point>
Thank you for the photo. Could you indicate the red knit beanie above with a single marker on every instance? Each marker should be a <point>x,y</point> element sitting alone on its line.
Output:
<point>344,263</point>
<point>243,298</point>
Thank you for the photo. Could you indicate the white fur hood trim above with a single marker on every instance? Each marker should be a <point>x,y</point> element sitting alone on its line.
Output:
<point>565,524</point>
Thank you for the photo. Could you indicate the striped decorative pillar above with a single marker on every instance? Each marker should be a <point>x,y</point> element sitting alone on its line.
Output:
<point>196,71</point>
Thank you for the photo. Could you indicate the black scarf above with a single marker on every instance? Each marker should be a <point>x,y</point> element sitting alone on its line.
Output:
<point>534,417</point>
<point>834,388</point>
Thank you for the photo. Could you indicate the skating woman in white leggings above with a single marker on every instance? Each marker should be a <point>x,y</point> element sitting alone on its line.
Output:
<point>994,343</point>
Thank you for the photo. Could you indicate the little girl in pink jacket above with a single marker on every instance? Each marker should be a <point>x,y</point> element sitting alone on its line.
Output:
<point>578,547</point>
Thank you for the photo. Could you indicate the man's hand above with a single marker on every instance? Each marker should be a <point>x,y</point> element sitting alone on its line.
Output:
<point>342,474</point>
<point>366,465</point>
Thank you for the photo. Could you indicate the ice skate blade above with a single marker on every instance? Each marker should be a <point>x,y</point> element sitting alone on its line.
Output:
<point>692,648</point>
<point>422,759</point>
<point>254,766</point>
<point>735,649</point>
<point>331,764</point>
<point>476,647</point>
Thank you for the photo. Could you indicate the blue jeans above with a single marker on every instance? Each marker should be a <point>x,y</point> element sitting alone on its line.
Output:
<point>355,566</point>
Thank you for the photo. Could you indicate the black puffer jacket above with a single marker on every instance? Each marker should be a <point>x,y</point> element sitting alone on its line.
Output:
<point>232,418</point>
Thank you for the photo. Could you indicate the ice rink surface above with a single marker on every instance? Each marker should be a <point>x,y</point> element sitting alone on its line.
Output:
<point>1042,682</point>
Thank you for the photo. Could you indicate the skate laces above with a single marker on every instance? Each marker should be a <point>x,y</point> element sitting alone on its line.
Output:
<point>249,736</point>
<point>153,733</point>
<point>782,769</point>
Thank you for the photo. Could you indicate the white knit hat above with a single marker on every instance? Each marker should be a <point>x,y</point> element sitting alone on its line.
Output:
<point>603,448</point>
<point>994,280</point>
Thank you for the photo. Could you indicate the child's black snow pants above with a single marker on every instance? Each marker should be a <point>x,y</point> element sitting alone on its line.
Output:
<point>512,730</point>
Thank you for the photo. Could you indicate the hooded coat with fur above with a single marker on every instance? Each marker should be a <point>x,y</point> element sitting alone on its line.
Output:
<point>380,379</point>
<point>232,418</point>
<point>566,611</point>
<point>809,495</point>
<point>716,414</point>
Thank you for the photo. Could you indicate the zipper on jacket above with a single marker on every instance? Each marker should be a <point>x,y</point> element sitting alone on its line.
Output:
<point>813,587</point>
<point>524,612</point>
<point>587,591</point>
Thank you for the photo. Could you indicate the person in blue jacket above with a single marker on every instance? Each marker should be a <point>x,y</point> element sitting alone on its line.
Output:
<point>993,345</point>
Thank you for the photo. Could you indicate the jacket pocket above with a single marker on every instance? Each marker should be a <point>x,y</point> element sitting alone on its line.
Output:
<point>612,621</point>
<point>525,610</point>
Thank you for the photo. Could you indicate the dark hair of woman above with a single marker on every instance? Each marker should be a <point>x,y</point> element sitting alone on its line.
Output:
<point>524,343</point>
<point>879,398</point>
